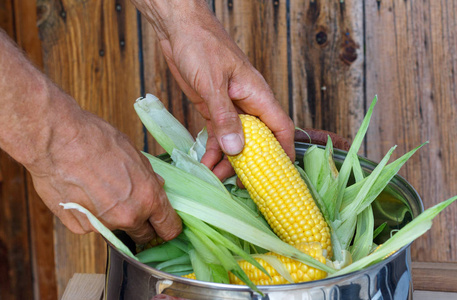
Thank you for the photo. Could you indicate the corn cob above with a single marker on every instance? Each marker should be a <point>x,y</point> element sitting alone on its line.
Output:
<point>299,272</point>
<point>276,187</point>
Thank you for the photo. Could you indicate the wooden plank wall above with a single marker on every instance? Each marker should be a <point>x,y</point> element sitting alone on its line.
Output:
<point>325,61</point>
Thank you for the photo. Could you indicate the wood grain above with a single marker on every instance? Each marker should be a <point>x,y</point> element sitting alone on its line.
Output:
<point>40,217</point>
<point>16,275</point>
<point>411,58</point>
<point>325,60</point>
<point>15,257</point>
<point>326,40</point>
<point>85,286</point>
<point>435,276</point>
<point>90,48</point>
<point>159,81</point>
<point>259,28</point>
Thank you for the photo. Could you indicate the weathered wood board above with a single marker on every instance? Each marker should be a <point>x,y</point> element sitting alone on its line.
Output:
<point>325,61</point>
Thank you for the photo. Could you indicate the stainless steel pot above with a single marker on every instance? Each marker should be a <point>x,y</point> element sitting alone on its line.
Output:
<point>389,279</point>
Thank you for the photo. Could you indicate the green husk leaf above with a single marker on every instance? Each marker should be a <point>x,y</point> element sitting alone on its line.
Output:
<point>199,147</point>
<point>219,273</point>
<point>357,168</point>
<point>178,269</point>
<point>363,239</point>
<point>313,160</point>
<point>403,237</point>
<point>379,229</point>
<point>197,225</point>
<point>276,264</point>
<point>178,182</point>
<point>186,163</point>
<point>363,198</point>
<point>345,170</point>
<point>163,126</point>
<point>203,251</point>
<point>181,242</point>
<point>385,177</point>
<point>225,258</point>
<point>201,269</point>
<point>105,232</point>
<point>345,231</point>
<point>237,227</point>
<point>159,253</point>
<point>180,260</point>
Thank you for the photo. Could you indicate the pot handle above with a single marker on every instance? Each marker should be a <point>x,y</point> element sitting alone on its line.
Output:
<point>319,137</point>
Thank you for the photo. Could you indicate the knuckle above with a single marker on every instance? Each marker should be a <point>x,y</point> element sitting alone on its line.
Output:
<point>222,117</point>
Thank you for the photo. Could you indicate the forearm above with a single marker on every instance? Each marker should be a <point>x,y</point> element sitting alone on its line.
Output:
<point>35,116</point>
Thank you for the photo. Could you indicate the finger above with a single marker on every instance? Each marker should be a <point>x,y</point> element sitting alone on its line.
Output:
<point>223,169</point>
<point>142,234</point>
<point>253,95</point>
<point>213,153</point>
<point>72,222</point>
<point>164,218</point>
<point>225,120</point>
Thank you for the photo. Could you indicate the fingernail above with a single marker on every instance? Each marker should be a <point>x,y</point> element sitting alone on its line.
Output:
<point>232,144</point>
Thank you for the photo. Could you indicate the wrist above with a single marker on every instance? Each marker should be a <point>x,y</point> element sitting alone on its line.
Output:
<point>43,123</point>
<point>169,17</point>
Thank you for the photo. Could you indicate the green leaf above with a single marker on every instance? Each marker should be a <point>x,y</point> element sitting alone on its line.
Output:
<point>201,248</point>
<point>178,269</point>
<point>180,260</point>
<point>201,269</point>
<point>276,264</point>
<point>237,227</point>
<point>403,237</point>
<point>364,197</point>
<point>379,229</point>
<point>182,183</point>
<point>345,170</point>
<point>363,239</point>
<point>185,162</point>
<point>163,126</point>
<point>199,147</point>
<point>313,160</point>
<point>383,180</point>
<point>159,253</point>
<point>105,232</point>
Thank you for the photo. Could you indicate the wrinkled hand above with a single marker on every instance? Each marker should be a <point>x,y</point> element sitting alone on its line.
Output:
<point>101,170</point>
<point>217,77</point>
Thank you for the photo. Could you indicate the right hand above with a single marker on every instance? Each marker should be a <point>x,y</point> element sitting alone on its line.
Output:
<point>217,77</point>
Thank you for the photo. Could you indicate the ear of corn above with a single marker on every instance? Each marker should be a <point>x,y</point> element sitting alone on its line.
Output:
<point>299,272</point>
<point>276,187</point>
<point>296,271</point>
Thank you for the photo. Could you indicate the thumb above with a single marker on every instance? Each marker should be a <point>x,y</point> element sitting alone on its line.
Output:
<point>225,122</point>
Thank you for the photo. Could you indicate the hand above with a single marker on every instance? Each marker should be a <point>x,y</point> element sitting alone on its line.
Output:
<point>74,156</point>
<point>101,170</point>
<point>217,77</point>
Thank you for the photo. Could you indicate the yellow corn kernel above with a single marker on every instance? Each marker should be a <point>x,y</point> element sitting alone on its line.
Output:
<point>190,276</point>
<point>299,272</point>
<point>276,187</point>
